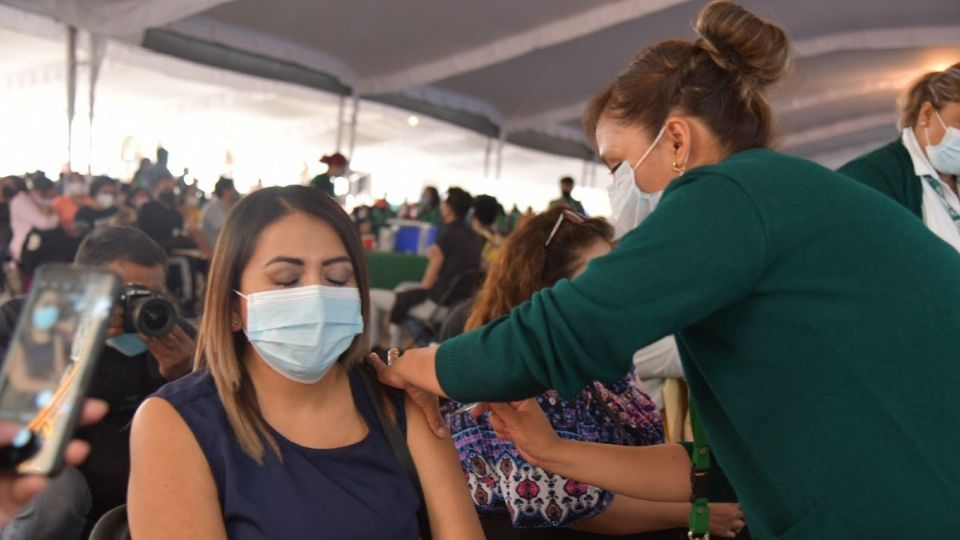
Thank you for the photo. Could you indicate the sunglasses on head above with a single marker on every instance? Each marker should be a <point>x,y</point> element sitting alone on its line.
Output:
<point>569,215</point>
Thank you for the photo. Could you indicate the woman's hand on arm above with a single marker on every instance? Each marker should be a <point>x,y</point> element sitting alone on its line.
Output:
<point>171,492</point>
<point>451,510</point>
<point>656,473</point>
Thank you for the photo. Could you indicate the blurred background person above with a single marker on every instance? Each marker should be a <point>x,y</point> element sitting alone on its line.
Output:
<point>32,218</point>
<point>337,165</point>
<point>215,212</point>
<point>74,197</point>
<point>161,220</point>
<point>101,208</point>
<point>485,213</point>
<point>566,197</point>
<point>428,209</point>
<point>919,169</point>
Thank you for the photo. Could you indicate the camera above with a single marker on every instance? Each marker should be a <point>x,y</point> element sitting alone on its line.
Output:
<point>146,313</point>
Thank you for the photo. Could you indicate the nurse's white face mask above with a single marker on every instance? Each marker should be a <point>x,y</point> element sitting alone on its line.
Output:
<point>945,156</point>
<point>629,205</point>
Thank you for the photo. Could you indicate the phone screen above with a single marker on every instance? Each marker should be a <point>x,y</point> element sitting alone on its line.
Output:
<point>46,371</point>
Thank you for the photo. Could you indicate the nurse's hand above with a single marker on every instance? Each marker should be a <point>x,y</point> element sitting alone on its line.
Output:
<point>525,425</point>
<point>415,373</point>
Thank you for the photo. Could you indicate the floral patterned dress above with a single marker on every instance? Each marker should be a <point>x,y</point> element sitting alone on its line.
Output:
<point>502,482</point>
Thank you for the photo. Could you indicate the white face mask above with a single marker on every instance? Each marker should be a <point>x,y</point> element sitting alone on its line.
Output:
<point>945,156</point>
<point>74,189</point>
<point>628,204</point>
<point>301,332</point>
<point>106,200</point>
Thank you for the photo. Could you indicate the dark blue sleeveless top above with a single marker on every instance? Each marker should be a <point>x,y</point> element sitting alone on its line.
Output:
<point>357,491</point>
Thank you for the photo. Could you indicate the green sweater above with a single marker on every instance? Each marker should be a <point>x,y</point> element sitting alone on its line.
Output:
<point>889,170</point>
<point>817,323</point>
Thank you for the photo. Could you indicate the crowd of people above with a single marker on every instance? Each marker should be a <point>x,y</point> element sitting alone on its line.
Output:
<point>811,312</point>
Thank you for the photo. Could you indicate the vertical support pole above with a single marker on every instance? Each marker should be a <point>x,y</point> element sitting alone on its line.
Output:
<point>353,123</point>
<point>486,157</point>
<point>500,144</point>
<point>98,46</point>
<point>340,125</point>
<point>71,90</point>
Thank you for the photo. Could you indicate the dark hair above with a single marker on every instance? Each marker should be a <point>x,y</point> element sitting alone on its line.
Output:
<point>120,244</point>
<point>434,196</point>
<point>222,185</point>
<point>719,79</point>
<point>937,87</point>
<point>459,202</point>
<point>220,348</point>
<point>99,183</point>
<point>485,209</point>
<point>566,181</point>
<point>525,264</point>
<point>41,183</point>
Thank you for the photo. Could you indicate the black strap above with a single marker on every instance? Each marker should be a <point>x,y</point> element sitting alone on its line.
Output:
<point>399,445</point>
<point>627,439</point>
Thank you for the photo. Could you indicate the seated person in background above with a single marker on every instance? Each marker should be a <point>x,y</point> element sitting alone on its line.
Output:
<point>161,220</point>
<point>275,435</point>
<point>485,212</point>
<point>214,214</point>
<point>456,252</point>
<point>102,208</point>
<point>428,208</point>
<point>74,197</point>
<point>130,368</point>
<point>557,245</point>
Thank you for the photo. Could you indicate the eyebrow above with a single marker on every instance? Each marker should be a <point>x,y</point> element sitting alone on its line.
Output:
<point>299,262</point>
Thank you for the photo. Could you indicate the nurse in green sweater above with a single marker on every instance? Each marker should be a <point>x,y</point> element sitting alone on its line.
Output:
<point>919,170</point>
<point>817,319</point>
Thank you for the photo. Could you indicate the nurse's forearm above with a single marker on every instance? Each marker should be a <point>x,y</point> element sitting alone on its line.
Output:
<point>654,473</point>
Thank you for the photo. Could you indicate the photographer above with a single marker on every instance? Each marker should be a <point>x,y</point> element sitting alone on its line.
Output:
<point>131,367</point>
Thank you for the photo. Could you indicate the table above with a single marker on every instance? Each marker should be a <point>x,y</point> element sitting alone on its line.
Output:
<point>387,270</point>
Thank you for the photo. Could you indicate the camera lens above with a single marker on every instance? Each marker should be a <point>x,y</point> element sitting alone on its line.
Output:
<point>154,317</point>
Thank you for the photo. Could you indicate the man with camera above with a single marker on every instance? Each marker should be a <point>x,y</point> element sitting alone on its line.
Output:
<point>147,346</point>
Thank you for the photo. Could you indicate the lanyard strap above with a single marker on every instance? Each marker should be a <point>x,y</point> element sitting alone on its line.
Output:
<point>699,480</point>
<point>938,187</point>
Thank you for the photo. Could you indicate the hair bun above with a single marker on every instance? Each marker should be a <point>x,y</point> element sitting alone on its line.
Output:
<point>755,50</point>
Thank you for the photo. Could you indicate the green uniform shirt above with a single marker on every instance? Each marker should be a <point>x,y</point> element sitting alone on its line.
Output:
<point>818,326</point>
<point>890,171</point>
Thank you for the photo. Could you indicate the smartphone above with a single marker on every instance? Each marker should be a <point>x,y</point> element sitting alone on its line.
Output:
<point>50,361</point>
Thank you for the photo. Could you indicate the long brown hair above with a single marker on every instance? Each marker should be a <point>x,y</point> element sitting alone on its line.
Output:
<point>219,348</point>
<point>937,87</point>
<point>719,78</point>
<point>525,265</point>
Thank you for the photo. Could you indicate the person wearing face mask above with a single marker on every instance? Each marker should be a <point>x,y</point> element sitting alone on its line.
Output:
<point>129,368</point>
<point>815,317</point>
<point>102,209</point>
<point>281,432</point>
<point>73,199</point>
<point>919,170</point>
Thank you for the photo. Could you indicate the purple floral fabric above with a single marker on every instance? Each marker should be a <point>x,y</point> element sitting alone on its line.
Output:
<point>501,481</point>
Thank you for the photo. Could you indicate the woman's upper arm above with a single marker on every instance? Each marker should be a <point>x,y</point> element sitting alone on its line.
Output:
<point>172,493</point>
<point>451,510</point>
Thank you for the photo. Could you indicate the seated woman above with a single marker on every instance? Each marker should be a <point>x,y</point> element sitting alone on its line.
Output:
<point>552,246</point>
<point>275,434</point>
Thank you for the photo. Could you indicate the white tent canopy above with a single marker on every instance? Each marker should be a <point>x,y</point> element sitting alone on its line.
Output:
<point>521,72</point>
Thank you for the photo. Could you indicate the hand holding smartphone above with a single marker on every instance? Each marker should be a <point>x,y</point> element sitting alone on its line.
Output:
<point>49,363</point>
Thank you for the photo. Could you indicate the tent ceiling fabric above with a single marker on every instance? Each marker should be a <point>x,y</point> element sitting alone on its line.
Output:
<point>525,70</point>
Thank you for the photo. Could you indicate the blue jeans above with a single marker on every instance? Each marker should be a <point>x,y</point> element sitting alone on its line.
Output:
<point>58,513</point>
